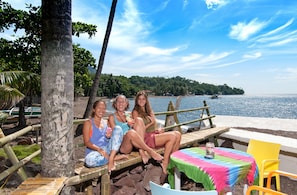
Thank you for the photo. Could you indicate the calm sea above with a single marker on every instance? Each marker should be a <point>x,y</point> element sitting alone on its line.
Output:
<point>269,106</point>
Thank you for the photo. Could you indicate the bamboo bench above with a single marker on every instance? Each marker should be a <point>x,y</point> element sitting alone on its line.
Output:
<point>188,139</point>
<point>84,174</point>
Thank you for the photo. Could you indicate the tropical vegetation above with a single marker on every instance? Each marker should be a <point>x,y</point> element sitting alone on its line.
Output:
<point>20,57</point>
<point>111,85</point>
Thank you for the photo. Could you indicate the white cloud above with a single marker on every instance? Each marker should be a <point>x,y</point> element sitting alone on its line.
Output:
<point>163,5</point>
<point>191,57</point>
<point>156,51</point>
<point>288,75</point>
<point>129,31</point>
<point>252,55</point>
<point>185,4</point>
<point>283,42</point>
<point>279,29</point>
<point>279,36</point>
<point>214,4</point>
<point>242,31</point>
<point>211,58</point>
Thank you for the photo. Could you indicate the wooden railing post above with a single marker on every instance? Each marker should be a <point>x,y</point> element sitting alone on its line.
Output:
<point>168,120</point>
<point>208,114</point>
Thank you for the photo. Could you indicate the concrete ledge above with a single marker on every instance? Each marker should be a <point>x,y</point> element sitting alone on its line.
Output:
<point>256,122</point>
<point>287,144</point>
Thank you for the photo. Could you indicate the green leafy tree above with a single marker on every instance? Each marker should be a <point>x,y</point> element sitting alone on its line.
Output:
<point>23,52</point>
<point>112,85</point>
<point>83,60</point>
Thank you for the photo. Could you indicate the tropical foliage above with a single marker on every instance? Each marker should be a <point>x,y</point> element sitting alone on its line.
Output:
<point>24,51</point>
<point>21,54</point>
<point>15,85</point>
<point>111,85</point>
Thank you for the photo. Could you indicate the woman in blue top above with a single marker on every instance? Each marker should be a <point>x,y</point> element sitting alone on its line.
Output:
<point>102,143</point>
<point>132,130</point>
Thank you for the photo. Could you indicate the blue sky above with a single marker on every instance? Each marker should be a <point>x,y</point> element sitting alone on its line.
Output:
<point>248,44</point>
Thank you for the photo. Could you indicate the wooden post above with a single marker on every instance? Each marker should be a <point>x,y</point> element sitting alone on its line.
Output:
<point>89,190</point>
<point>208,114</point>
<point>168,120</point>
<point>105,184</point>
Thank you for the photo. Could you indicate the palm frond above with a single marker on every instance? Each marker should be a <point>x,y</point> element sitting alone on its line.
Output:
<point>8,77</point>
<point>9,96</point>
<point>3,117</point>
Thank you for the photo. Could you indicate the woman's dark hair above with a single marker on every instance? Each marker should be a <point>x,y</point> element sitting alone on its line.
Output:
<point>95,104</point>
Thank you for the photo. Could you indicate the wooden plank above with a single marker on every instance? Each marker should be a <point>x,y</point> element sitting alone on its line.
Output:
<point>201,135</point>
<point>40,186</point>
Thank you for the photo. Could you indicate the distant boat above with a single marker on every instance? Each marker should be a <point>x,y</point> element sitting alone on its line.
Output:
<point>215,96</point>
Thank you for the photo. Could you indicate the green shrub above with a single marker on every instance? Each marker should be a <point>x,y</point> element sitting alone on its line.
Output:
<point>23,151</point>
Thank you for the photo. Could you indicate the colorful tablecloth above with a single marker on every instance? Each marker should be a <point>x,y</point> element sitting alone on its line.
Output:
<point>221,173</point>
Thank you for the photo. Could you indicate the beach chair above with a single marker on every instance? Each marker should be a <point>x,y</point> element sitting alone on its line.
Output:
<point>266,155</point>
<point>160,190</point>
<point>260,189</point>
<point>281,173</point>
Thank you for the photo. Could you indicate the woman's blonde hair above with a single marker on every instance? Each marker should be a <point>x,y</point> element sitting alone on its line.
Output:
<point>116,99</point>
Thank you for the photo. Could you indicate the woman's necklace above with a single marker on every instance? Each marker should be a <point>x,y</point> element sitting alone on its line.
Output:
<point>121,118</point>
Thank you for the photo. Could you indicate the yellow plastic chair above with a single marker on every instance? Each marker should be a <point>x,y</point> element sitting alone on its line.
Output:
<point>267,191</point>
<point>279,172</point>
<point>266,155</point>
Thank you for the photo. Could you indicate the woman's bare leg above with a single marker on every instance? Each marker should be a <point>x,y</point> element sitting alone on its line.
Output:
<point>166,140</point>
<point>111,159</point>
<point>126,146</point>
<point>132,138</point>
<point>120,157</point>
<point>177,141</point>
<point>140,129</point>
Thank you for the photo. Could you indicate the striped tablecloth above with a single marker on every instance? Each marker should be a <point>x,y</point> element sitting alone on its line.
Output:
<point>221,173</point>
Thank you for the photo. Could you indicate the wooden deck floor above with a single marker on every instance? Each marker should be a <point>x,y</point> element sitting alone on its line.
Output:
<point>40,186</point>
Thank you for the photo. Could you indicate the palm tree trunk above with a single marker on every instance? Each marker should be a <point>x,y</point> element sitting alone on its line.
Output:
<point>95,85</point>
<point>57,90</point>
<point>94,89</point>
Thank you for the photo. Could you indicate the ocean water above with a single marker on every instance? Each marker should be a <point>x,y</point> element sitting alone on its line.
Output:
<point>267,106</point>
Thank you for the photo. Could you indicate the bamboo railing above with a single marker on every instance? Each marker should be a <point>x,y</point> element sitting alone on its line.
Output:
<point>18,164</point>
